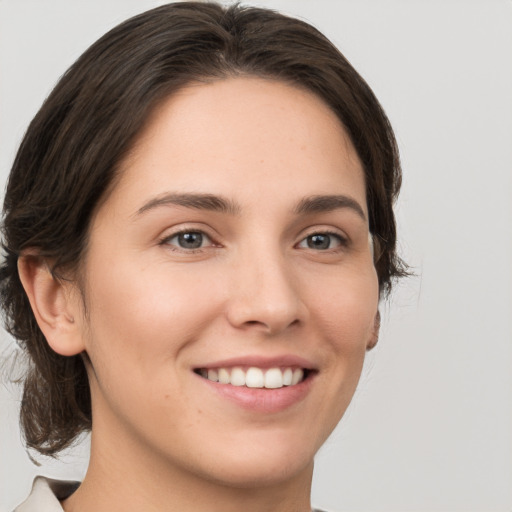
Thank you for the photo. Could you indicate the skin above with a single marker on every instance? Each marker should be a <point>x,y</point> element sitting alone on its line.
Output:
<point>161,439</point>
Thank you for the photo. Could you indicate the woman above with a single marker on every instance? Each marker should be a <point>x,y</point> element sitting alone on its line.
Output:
<point>198,229</point>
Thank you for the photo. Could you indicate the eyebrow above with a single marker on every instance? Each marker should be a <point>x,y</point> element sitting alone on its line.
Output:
<point>208,202</point>
<point>328,203</point>
<point>211,202</point>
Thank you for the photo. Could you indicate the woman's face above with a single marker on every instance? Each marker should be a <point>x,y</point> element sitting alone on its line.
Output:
<point>236,242</point>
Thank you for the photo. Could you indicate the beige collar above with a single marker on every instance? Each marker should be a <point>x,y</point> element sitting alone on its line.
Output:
<point>45,495</point>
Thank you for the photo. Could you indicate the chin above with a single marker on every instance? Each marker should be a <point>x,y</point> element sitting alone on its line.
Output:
<point>261,462</point>
<point>262,473</point>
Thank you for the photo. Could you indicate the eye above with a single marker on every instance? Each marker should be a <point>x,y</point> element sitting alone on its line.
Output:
<point>322,241</point>
<point>188,240</point>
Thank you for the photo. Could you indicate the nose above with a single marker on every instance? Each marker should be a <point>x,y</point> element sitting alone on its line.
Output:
<point>265,294</point>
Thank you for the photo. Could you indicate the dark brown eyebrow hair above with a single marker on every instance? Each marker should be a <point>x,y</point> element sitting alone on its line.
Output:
<point>327,203</point>
<point>197,201</point>
<point>211,202</point>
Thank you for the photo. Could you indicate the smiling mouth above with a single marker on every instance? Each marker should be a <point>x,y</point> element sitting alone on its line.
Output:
<point>254,377</point>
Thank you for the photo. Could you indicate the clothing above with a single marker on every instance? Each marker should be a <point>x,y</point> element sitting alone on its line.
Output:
<point>46,494</point>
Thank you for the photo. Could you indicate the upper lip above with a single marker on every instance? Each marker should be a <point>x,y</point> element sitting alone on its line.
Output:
<point>286,360</point>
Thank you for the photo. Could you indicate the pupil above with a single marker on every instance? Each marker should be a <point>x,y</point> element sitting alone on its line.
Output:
<point>319,242</point>
<point>190,240</point>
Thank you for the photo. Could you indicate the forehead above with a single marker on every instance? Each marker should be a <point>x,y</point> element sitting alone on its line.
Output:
<point>239,136</point>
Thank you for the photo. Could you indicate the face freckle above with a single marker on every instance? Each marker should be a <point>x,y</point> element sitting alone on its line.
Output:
<point>232,160</point>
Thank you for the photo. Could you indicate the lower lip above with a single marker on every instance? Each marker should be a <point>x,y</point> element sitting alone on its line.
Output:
<point>263,400</point>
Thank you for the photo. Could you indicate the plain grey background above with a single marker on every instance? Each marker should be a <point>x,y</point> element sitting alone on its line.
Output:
<point>430,427</point>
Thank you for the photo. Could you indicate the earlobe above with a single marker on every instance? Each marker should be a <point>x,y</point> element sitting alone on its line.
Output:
<point>55,306</point>
<point>375,332</point>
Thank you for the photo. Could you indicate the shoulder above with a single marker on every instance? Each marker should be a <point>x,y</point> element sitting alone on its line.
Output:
<point>45,495</point>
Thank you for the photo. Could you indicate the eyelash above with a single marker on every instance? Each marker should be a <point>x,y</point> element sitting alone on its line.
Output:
<point>166,241</point>
<point>342,241</point>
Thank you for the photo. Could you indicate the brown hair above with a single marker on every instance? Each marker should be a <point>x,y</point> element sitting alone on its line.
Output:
<point>67,160</point>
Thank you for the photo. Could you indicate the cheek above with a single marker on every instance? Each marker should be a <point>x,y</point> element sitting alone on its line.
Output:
<point>346,308</point>
<point>138,325</point>
<point>344,317</point>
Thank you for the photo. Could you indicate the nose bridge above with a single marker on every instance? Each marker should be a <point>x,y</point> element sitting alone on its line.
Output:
<point>266,295</point>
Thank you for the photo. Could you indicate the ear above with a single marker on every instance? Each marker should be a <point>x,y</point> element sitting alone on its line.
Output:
<point>375,332</point>
<point>55,305</point>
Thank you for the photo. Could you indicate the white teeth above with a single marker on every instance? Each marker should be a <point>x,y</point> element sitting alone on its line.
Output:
<point>224,377</point>
<point>237,377</point>
<point>298,375</point>
<point>287,377</point>
<point>254,377</point>
<point>274,378</point>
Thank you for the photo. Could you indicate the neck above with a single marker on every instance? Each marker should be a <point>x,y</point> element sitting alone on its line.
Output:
<point>124,476</point>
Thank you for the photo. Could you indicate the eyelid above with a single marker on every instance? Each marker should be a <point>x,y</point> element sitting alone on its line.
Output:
<point>324,230</point>
<point>342,238</point>
<point>171,234</point>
